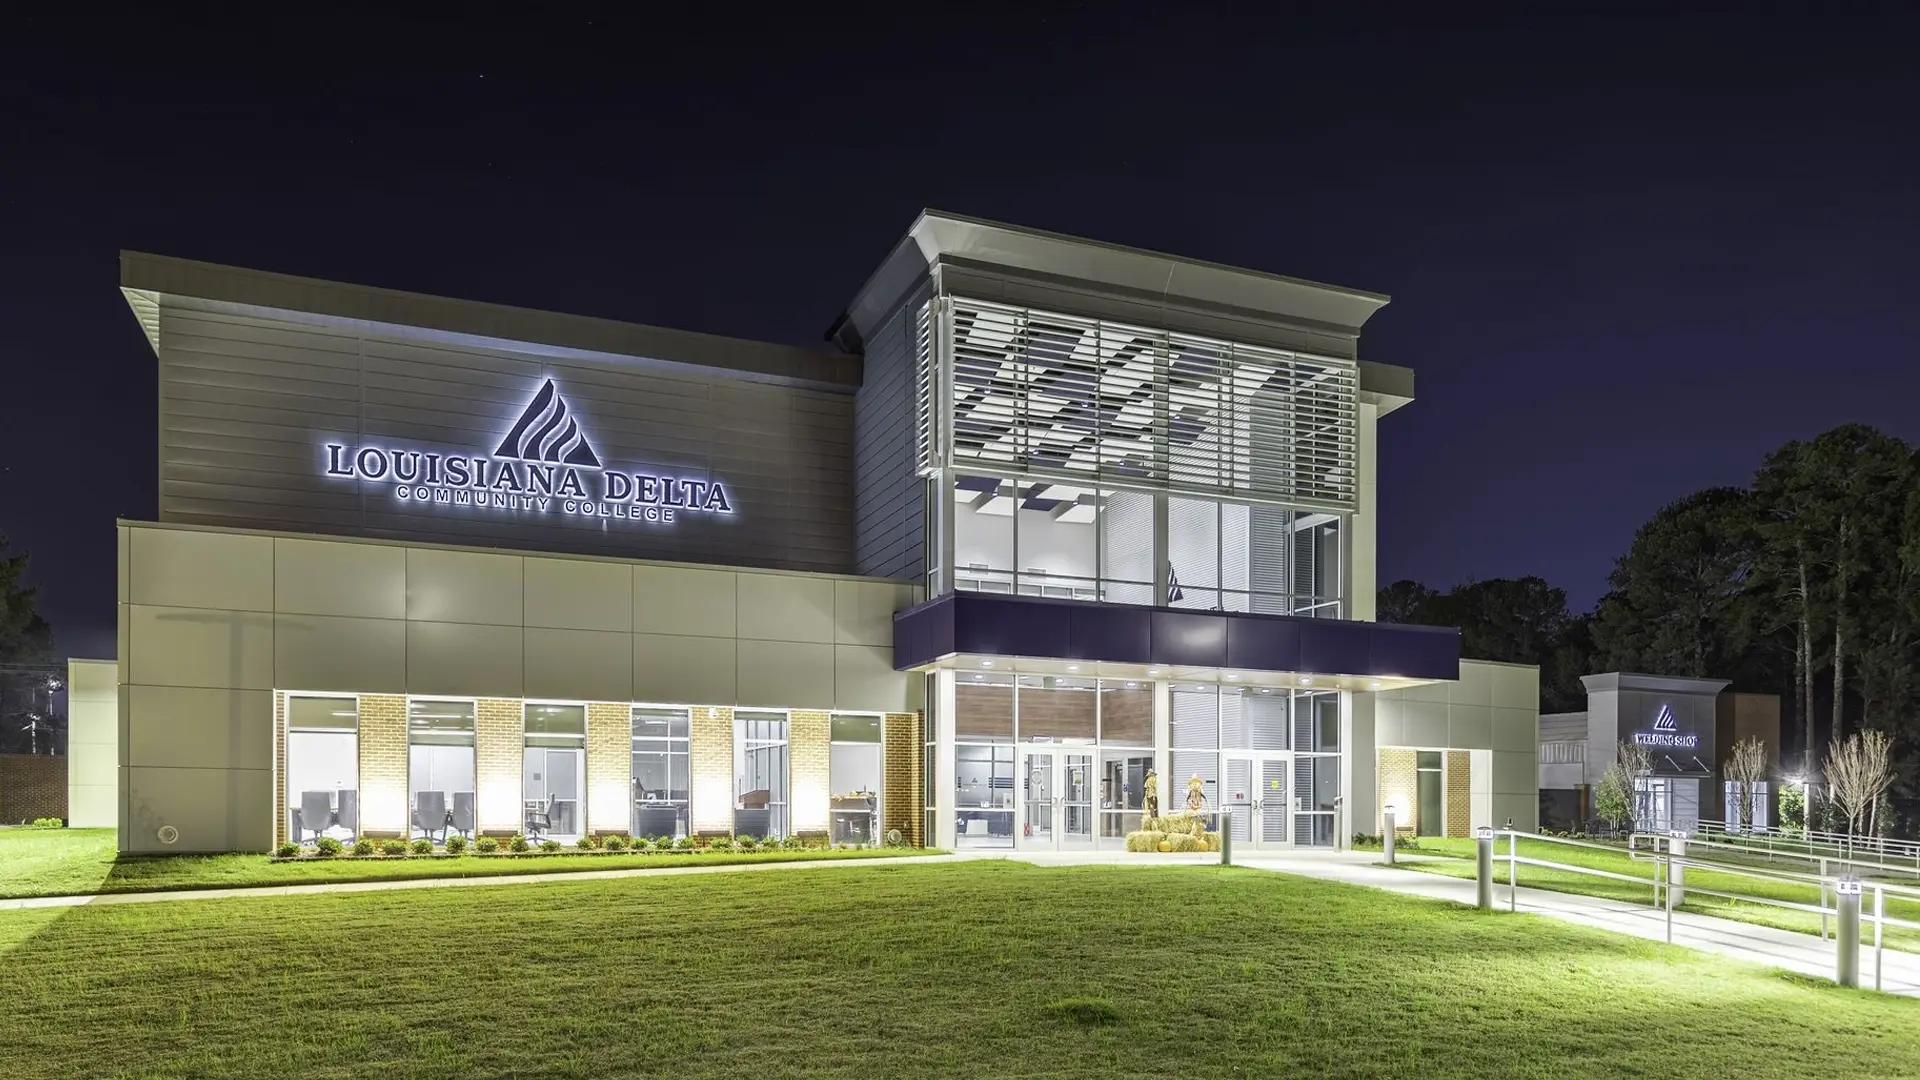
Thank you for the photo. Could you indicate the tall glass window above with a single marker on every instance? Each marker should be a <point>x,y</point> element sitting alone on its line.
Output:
<point>760,773</point>
<point>323,767</point>
<point>983,760</point>
<point>662,788</point>
<point>554,771</point>
<point>1316,766</point>
<point>854,773</point>
<point>440,768</point>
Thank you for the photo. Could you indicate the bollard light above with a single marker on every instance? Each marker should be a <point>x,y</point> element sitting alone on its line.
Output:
<point>1388,813</point>
<point>1847,962</point>
<point>1483,867</point>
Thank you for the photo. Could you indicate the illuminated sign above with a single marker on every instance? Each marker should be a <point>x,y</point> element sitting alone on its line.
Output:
<point>543,465</point>
<point>1666,732</point>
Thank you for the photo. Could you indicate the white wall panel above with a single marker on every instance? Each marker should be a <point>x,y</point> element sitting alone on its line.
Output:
<point>575,594</point>
<point>575,665</point>
<point>194,727</point>
<point>780,608</point>
<point>784,674</point>
<point>321,652</point>
<point>320,577</point>
<point>682,600</point>
<point>1469,727</point>
<point>463,586</point>
<point>1424,724</point>
<point>1475,686</point>
<point>465,660</point>
<point>678,670</point>
<point>864,681</point>
<point>171,568</point>
<point>199,647</point>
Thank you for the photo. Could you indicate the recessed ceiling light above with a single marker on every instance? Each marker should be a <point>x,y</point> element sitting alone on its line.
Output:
<point>1231,676</point>
<point>986,663</point>
<point>978,677</point>
<point>1304,681</point>
<point>1131,685</point>
<point>1374,685</point>
<point>1266,690</point>
<point>1153,671</point>
<point>1073,667</point>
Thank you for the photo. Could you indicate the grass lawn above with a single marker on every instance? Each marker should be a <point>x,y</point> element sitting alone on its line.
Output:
<point>73,862</point>
<point>1462,866</point>
<point>977,969</point>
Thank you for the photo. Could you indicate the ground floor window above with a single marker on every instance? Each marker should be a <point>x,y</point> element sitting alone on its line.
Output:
<point>440,771</point>
<point>854,774</point>
<point>323,767</point>
<point>554,771</point>
<point>1430,815</point>
<point>1757,817</point>
<point>760,774</point>
<point>662,782</point>
<point>1663,803</point>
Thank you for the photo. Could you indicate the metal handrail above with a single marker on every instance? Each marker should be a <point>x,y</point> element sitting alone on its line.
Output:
<point>1809,839</point>
<point>1823,860</point>
<point>1665,862</point>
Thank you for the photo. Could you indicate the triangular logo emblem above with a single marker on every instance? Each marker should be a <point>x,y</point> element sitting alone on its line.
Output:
<point>1663,720</point>
<point>546,433</point>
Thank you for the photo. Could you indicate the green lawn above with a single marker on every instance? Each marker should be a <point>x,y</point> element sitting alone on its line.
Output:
<point>1461,865</point>
<point>976,969</point>
<point>73,862</point>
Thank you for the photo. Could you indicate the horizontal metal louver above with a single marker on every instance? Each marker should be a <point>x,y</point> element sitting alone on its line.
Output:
<point>925,390</point>
<point>1045,394</point>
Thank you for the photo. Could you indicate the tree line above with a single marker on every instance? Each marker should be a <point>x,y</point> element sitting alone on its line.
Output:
<point>1804,583</point>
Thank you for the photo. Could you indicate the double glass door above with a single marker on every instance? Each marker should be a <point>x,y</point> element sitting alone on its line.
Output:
<point>1255,789</point>
<point>1054,789</point>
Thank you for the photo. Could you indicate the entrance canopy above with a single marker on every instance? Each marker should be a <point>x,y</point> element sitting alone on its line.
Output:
<point>1035,634</point>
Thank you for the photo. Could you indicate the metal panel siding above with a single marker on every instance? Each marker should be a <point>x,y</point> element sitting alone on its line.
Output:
<point>889,497</point>
<point>247,404</point>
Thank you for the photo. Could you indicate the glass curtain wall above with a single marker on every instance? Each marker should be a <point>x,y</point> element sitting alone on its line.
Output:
<point>760,774</point>
<point>662,788</point>
<point>854,773</point>
<point>323,768</point>
<point>554,771</point>
<point>983,760</point>
<point>1316,766</point>
<point>1126,757</point>
<point>440,768</point>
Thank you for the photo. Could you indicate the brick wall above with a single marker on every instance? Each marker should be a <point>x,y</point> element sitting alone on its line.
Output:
<point>904,785</point>
<point>32,786</point>
<point>499,747</point>
<point>384,809</point>
<point>609,766</point>
<point>1459,793</point>
<point>281,824</point>
<point>808,738</point>
<point>1399,784</point>
<point>710,752</point>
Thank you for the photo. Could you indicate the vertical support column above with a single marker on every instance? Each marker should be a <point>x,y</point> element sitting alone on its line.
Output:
<point>383,765</point>
<point>609,767</point>
<point>1161,566</point>
<point>281,816</point>
<point>1359,771</point>
<point>710,760</point>
<point>1163,740</point>
<point>905,794</point>
<point>499,755</point>
<point>945,771</point>
<point>809,735</point>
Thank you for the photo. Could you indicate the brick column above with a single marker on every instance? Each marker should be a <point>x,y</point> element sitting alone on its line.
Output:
<point>280,823</point>
<point>1399,785</point>
<point>609,767</point>
<point>383,765</point>
<point>808,739</point>
<point>499,751</point>
<point>710,754</point>
<point>906,795</point>
<point>1459,810</point>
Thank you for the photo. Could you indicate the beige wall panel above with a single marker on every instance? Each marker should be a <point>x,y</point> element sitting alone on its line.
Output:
<point>194,727</point>
<point>1515,729</point>
<point>1389,721</point>
<point>579,665</point>
<point>213,809</point>
<point>320,652</point>
<point>194,569</point>
<point>680,600</point>
<point>1515,773</point>
<point>199,647</point>
<point>1469,727</point>
<point>1424,724</point>
<point>772,607</point>
<point>863,610</point>
<point>784,674</point>
<point>319,577</point>
<point>864,681</point>
<point>573,594</point>
<point>1516,687</point>
<point>673,670</point>
<point>464,660</point>
<point>463,586</point>
<point>92,680</point>
<point>1475,686</point>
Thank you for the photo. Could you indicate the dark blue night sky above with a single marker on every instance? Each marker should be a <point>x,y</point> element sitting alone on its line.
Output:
<point>1628,255</point>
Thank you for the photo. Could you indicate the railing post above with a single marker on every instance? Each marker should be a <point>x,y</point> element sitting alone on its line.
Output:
<point>1386,838</point>
<point>1847,963</point>
<point>1676,873</point>
<point>1823,899</point>
<point>1483,845</point>
<point>1513,868</point>
<point>1670,869</point>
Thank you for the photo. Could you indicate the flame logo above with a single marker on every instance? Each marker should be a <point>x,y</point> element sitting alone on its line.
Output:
<point>546,433</point>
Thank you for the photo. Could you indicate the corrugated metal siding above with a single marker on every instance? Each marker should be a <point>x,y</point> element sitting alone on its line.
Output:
<point>889,498</point>
<point>247,404</point>
<point>1563,727</point>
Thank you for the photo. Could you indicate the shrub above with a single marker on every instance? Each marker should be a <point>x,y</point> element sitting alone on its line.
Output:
<point>422,846</point>
<point>287,850</point>
<point>1180,841</point>
<point>396,847</point>
<point>793,843</point>
<point>747,843</point>
<point>486,845</point>
<point>721,843</point>
<point>456,844</point>
<point>615,843</point>
<point>48,823</point>
<point>517,843</point>
<point>549,846</point>
<point>585,843</point>
<point>363,847</point>
<point>1145,840</point>
<point>327,846</point>
<point>685,843</point>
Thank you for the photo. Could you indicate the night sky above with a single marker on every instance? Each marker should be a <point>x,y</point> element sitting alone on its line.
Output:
<point>1628,256</point>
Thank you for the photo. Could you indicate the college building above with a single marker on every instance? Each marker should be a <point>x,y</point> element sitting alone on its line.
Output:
<point>1042,516</point>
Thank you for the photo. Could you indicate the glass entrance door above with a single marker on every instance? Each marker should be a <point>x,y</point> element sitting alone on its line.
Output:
<point>1056,799</point>
<point>1255,791</point>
